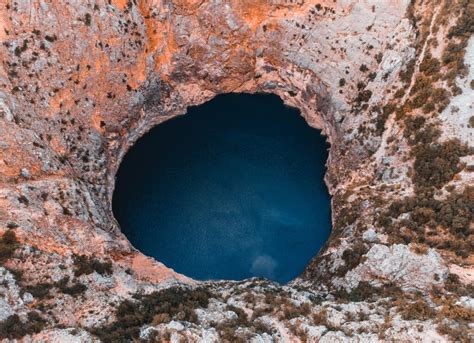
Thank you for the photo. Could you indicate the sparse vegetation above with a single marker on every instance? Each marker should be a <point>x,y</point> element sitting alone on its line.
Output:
<point>422,218</point>
<point>40,290</point>
<point>85,265</point>
<point>366,292</point>
<point>352,257</point>
<point>8,244</point>
<point>407,73</point>
<point>437,163</point>
<point>430,65</point>
<point>418,310</point>
<point>87,19</point>
<point>177,303</point>
<point>451,217</point>
<point>14,328</point>
<point>464,27</point>
<point>74,289</point>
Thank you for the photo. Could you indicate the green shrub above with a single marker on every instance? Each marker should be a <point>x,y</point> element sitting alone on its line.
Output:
<point>73,290</point>
<point>228,333</point>
<point>85,265</point>
<point>417,131</point>
<point>364,95</point>
<point>471,121</point>
<point>399,93</point>
<point>464,27</point>
<point>12,225</point>
<point>456,331</point>
<point>88,19</point>
<point>418,310</point>
<point>366,292</point>
<point>242,318</point>
<point>352,258</point>
<point>260,327</point>
<point>178,302</point>
<point>320,317</point>
<point>453,59</point>
<point>8,244</point>
<point>382,118</point>
<point>430,65</point>
<point>437,163</point>
<point>379,57</point>
<point>407,73</point>
<point>347,215</point>
<point>14,328</point>
<point>40,290</point>
<point>454,214</point>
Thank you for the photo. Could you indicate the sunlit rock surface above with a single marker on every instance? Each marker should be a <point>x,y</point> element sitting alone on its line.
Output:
<point>389,83</point>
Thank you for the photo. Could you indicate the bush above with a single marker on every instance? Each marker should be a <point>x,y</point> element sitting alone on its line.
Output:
<point>471,121</point>
<point>352,258</point>
<point>320,318</point>
<point>40,290</point>
<point>455,331</point>
<point>382,118</point>
<point>74,290</point>
<point>453,59</point>
<point>430,65</point>
<point>465,24</point>
<point>86,265</point>
<point>242,318</point>
<point>364,95</point>
<point>260,327</point>
<point>399,93</point>
<point>291,311</point>
<point>346,216</point>
<point>227,333</point>
<point>366,292</point>
<point>407,73</point>
<point>454,215</point>
<point>379,57</point>
<point>418,310</point>
<point>436,164</point>
<point>457,312</point>
<point>14,328</point>
<point>417,131</point>
<point>8,244</point>
<point>177,302</point>
<point>12,225</point>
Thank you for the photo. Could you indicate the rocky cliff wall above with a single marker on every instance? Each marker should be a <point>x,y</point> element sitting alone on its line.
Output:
<point>390,83</point>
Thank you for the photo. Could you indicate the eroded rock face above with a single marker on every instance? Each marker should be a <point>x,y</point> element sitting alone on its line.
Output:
<point>397,264</point>
<point>389,83</point>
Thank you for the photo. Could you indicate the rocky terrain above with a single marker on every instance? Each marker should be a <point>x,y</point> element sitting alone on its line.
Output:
<point>390,83</point>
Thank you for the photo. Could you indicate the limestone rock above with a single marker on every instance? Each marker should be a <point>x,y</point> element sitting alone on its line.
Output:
<point>82,81</point>
<point>397,264</point>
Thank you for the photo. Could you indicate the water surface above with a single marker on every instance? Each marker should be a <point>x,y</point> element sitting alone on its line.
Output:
<point>231,190</point>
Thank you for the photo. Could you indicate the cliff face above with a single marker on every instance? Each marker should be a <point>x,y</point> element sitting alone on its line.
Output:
<point>388,82</point>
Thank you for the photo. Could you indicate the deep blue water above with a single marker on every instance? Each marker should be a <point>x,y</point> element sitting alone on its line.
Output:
<point>231,190</point>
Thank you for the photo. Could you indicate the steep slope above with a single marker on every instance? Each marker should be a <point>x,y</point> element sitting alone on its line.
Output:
<point>390,83</point>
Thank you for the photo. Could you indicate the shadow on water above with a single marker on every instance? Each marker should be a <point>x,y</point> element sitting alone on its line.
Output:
<point>233,189</point>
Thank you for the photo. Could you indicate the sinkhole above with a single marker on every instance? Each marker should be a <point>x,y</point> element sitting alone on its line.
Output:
<point>231,190</point>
